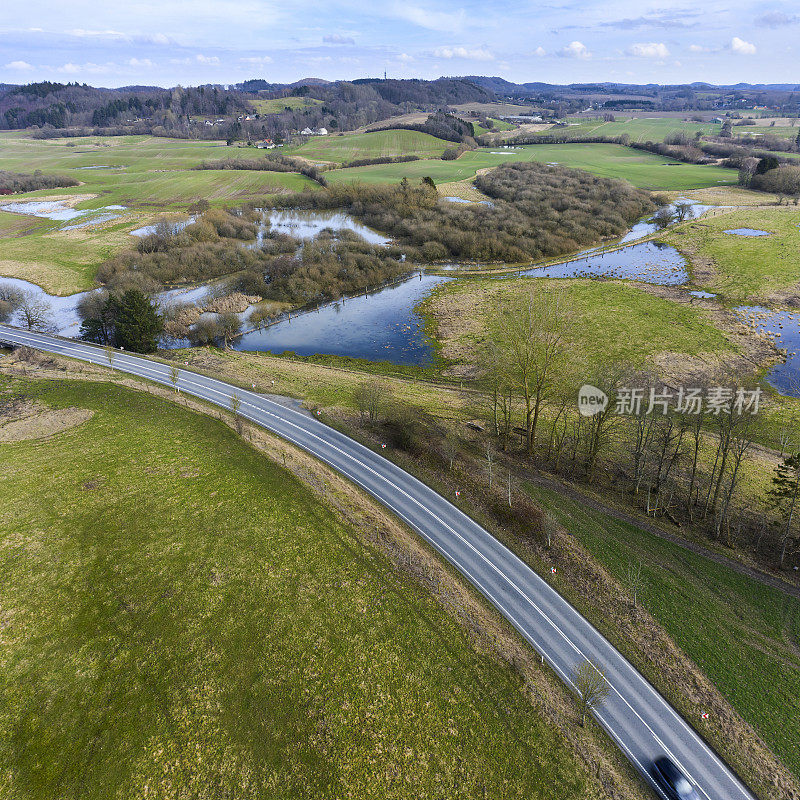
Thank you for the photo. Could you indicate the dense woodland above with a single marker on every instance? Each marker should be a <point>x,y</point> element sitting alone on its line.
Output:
<point>54,107</point>
<point>537,211</point>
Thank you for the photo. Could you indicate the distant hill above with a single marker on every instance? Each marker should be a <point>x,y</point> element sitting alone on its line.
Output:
<point>310,82</point>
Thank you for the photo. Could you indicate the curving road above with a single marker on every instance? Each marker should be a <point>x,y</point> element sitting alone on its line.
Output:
<point>635,715</point>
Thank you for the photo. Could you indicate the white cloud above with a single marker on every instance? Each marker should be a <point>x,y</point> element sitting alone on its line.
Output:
<point>338,38</point>
<point>82,33</point>
<point>22,66</point>
<point>475,54</point>
<point>140,63</point>
<point>405,58</point>
<point>433,20</point>
<point>575,50</point>
<point>157,38</point>
<point>88,68</point>
<point>540,51</point>
<point>742,47</point>
<point>648,50</point>
<point>257,60</point>
<point>697,48</point>
<point>201,59</point>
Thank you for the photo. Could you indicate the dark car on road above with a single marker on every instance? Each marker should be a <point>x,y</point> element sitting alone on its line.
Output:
<point>672,781</point>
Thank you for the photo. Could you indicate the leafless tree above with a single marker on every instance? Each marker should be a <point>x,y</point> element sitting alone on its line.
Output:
<point>533,341</point>
<point>682,210</point>
<point>634,580</point>
<point>490,456</point>
<point>592,688</point>
<point>174,376</point>
<point>35,313</point>
<point>368,397</point>
<point>236,404</point>
<point>450,446</point>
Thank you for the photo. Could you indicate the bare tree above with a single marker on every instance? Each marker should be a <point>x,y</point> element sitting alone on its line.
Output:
<point>451,448</point>
<point>35,313</point>
<point>682,210</point>
<point>174,376</point>
<point>229,326</point>
<point>592,688</point>
<point>111,354</point>
<point>368,397</point>
<point>533,341</point>
<point>490,456</point>
<point>634,580</point>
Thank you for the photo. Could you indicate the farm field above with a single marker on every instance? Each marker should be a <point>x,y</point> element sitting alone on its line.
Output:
<point>377,144</point>
<point>640,129</point>
<point>643,169</point>
<point>278,104</point>
<point>182,614</point>
<point>745,268</point>
<point>742,634</point>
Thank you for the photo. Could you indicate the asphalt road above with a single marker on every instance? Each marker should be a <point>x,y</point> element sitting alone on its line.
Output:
<point>635,715</point>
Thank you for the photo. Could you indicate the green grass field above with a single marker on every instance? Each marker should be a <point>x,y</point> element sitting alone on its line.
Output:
<point>276,105</point>
<point>640,129</point>
<point>743,635</point>
<point>378,144</point>
<point>182,618</point>
<point>143,173</point>
<point>653,325</point>
<point>748,268</point>
<point>643,169</point>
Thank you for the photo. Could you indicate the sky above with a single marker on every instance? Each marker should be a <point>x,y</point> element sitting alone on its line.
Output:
<point>189,42</point>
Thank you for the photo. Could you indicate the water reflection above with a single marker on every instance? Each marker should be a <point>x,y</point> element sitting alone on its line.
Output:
<point>384,326</point>
<point>783,327</point>
<point>651,262</point>
<point>305,224</point>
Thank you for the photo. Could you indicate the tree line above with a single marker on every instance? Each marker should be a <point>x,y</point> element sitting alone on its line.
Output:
<point>686,465</point>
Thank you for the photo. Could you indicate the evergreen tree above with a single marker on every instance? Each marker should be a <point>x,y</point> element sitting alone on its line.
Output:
<point>785,490</point>
<point>130,322</point>
<point>137,324</point>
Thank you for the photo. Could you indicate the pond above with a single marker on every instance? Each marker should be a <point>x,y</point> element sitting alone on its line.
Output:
<point>784,327</point>
<point>651,262</point>
<point>61,211</point>
<point>306,224</point>
<point>647,226</point>
<point>748,232</point>
<point>149,230</point>
<point>383,326</point>
<point>64,310</point>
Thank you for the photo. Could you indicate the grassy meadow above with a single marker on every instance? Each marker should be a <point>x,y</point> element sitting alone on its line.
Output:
<point>745,268</point>
<point>742,634</point>
<point>278,104</point>
<point>183,618</point>
<point>339,149</point>
<point>642,169</point>
<point>640,129</point>
<point>655,329</point>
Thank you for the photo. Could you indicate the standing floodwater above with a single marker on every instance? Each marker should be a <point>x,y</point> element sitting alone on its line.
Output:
<point>381,327</point>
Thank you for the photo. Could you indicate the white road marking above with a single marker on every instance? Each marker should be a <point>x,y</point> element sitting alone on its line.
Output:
<point>146,366</point>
